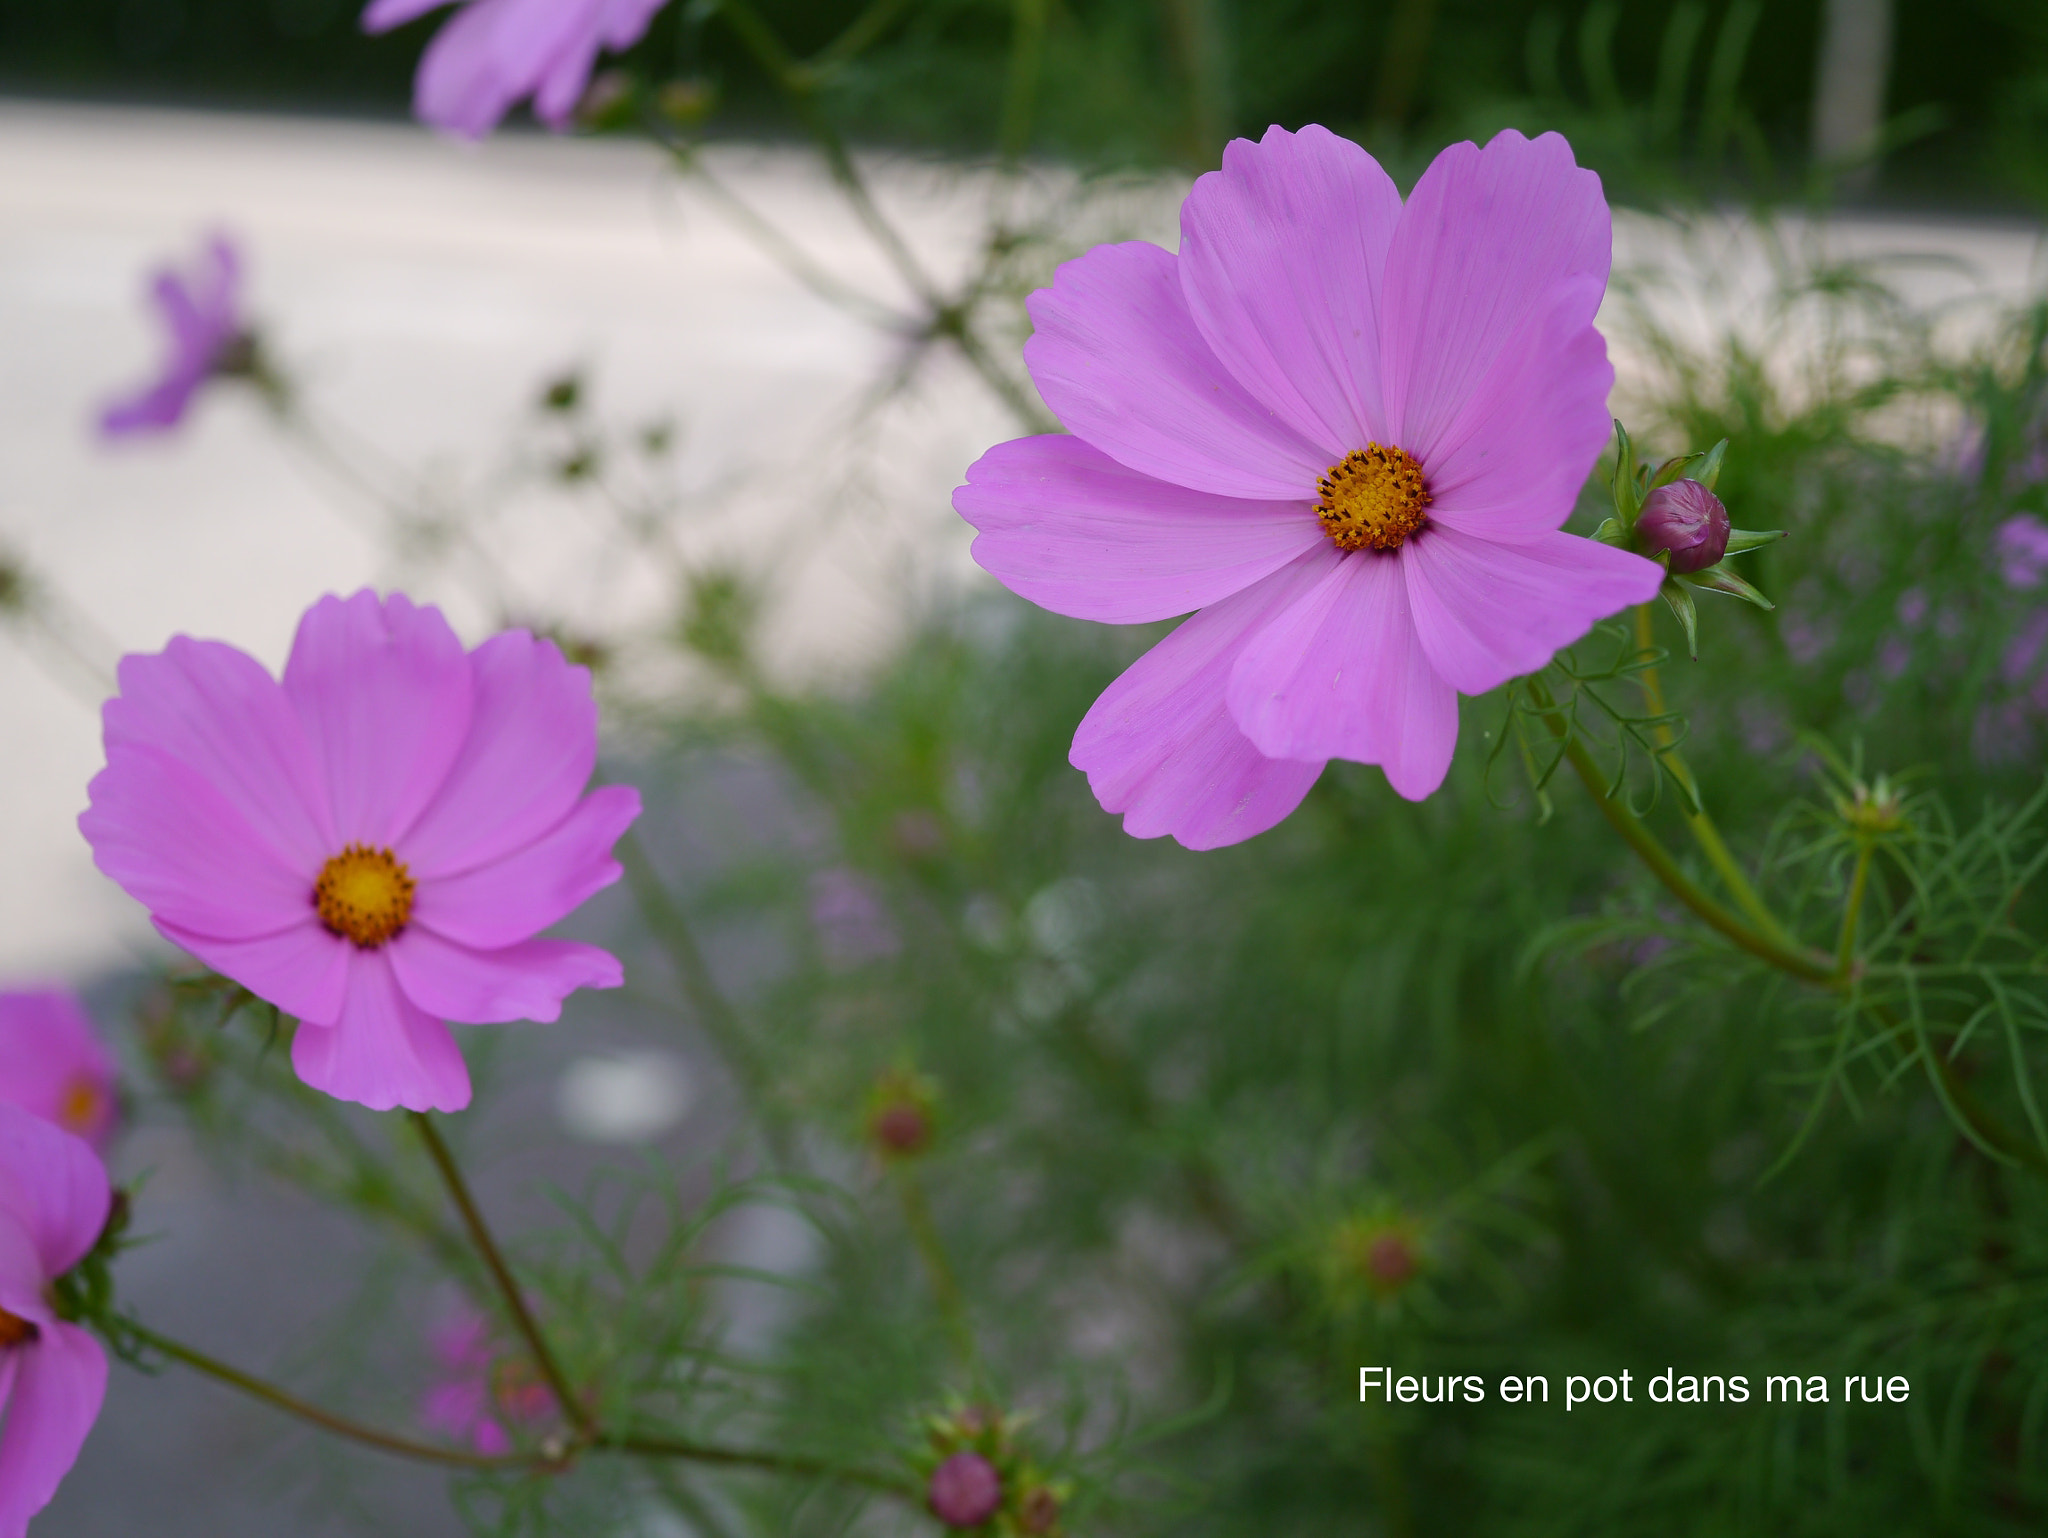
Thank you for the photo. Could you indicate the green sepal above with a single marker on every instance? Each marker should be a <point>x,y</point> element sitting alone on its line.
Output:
<point>1710,465</point>
<point>1613,531</point>
<point>1703,466</point>
<point>1628,495</point>
<point>1740,540</point>
<point>1722,580</point>
<point>1680,602</point>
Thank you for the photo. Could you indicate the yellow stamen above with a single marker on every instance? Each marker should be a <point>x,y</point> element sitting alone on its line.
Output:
<point>1373,499</point>
<point>364,895</point>
<point>79,1105</point>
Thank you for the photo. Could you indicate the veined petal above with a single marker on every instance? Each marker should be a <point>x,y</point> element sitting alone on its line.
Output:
<point>531,746</point>
<point>179,847</point>
<point>1512,464</point>
<point>383,1051</point>
<point>217,710</point>
<point>1160,746</point>
<point>54,1186</point>
<point>1484,241</point>
<point>303,970</point>
<point>1117,357</point>
<point>510,899</point>
<point>1341,673</point>
<point>1282,255</point>
<point>383,692</point>
<point>527,981</point>
<point>1069,528</point>
<point>60,1383</point>
<point>1488,612</point>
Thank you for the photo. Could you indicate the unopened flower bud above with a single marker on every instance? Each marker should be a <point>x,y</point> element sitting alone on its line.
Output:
<point>1689,521</point>
<point>1390,1262</point>
<point>902,1129</point>
<point>966,1490</point>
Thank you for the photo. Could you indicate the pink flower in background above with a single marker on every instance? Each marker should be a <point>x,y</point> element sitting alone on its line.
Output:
<point>2023,550</point>
<point>204,330</point>
<point>853,927</point>
<point>54,1065</point>
<point>478,1393</point>
<point>493,53</point>
<point>1348,433</point>
<point>371,844</point>
<point>54,1201</point>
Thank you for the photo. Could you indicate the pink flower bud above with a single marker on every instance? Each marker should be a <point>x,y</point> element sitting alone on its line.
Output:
<point>1689,521</point>
<point>966,1490</point>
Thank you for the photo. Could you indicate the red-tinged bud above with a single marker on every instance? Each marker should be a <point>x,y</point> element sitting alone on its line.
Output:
<point>966,1490</point>
<point>902,1129</point>
<point>1390,1262</point>
<point>1689,521</point>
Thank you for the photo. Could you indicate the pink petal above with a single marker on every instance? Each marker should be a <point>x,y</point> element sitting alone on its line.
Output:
<point>22,1273</point>
<point>1486,238</point>
<point>1069,528</point>
<point>518,896</point>
<point>59,1386</point>
<point>1160,745</point>
<point>1118,359</point>
<point>1342,674</point>
<point>52,1062</point>
<point>561,86</point>
<point>1489,612</point>
<point>1512,465</point>
<point>527,981</point>
<point>54,1185</point>
<point>1282,254</point>
<point>625,20</point>
<point>383,692</point>
<point>216,710</point>
<point>383,15</point>
<point>531,746</point>
<point>492,53</point>
<point>180,848</point>
<point>303,970</point>
<point>382,1051</point>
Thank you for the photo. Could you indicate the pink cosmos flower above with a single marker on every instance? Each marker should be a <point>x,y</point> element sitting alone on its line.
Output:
<point>477,1391</point>
<point>371,844</point>
<point>53,1376</point>
<point>495,52</point>
<point>54,1065</point>
<point>203,325</point>
<point>1347,433</point>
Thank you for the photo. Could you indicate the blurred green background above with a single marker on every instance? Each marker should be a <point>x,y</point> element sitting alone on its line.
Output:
<point>1662,94</point>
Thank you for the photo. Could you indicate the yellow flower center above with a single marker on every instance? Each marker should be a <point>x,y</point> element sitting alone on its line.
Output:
<point>1373,499</point>
<point>15,1331</point>
<point>364,895</point>
<point>79,1105</point>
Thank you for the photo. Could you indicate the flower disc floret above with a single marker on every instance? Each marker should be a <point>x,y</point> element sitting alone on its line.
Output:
<point>1372,499</point>
<point>364,895</point>
<point>374,842</point>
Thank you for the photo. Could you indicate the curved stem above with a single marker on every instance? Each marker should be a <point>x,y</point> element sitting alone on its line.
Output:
<point>1701,826</point>
<point>1852,910</point>
<point>1800,962</point>
<point>312,1414</point>
<point>522,1317</point>
<point>924,1234</point>
<point>744,1458</point>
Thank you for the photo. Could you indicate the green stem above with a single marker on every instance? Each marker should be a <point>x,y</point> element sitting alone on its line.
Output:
<point>338,1425</point>
<point>1797,960</point>
<point>1852,910</point>
<point>515,1301</point>
<point>1701,826</point>
<point>539,1462</point>
<point>924,1234</point>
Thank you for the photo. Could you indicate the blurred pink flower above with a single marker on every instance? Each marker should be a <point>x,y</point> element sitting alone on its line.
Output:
<point>54,1065</point>
<point>853,927</point>
<point>2023,550</point>
<point>478,1395</point>
<point>371,844</point>
<point>493,53</point>
<point>203,326</point>
<point>1348,433</point>
<point>54,1201</point>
